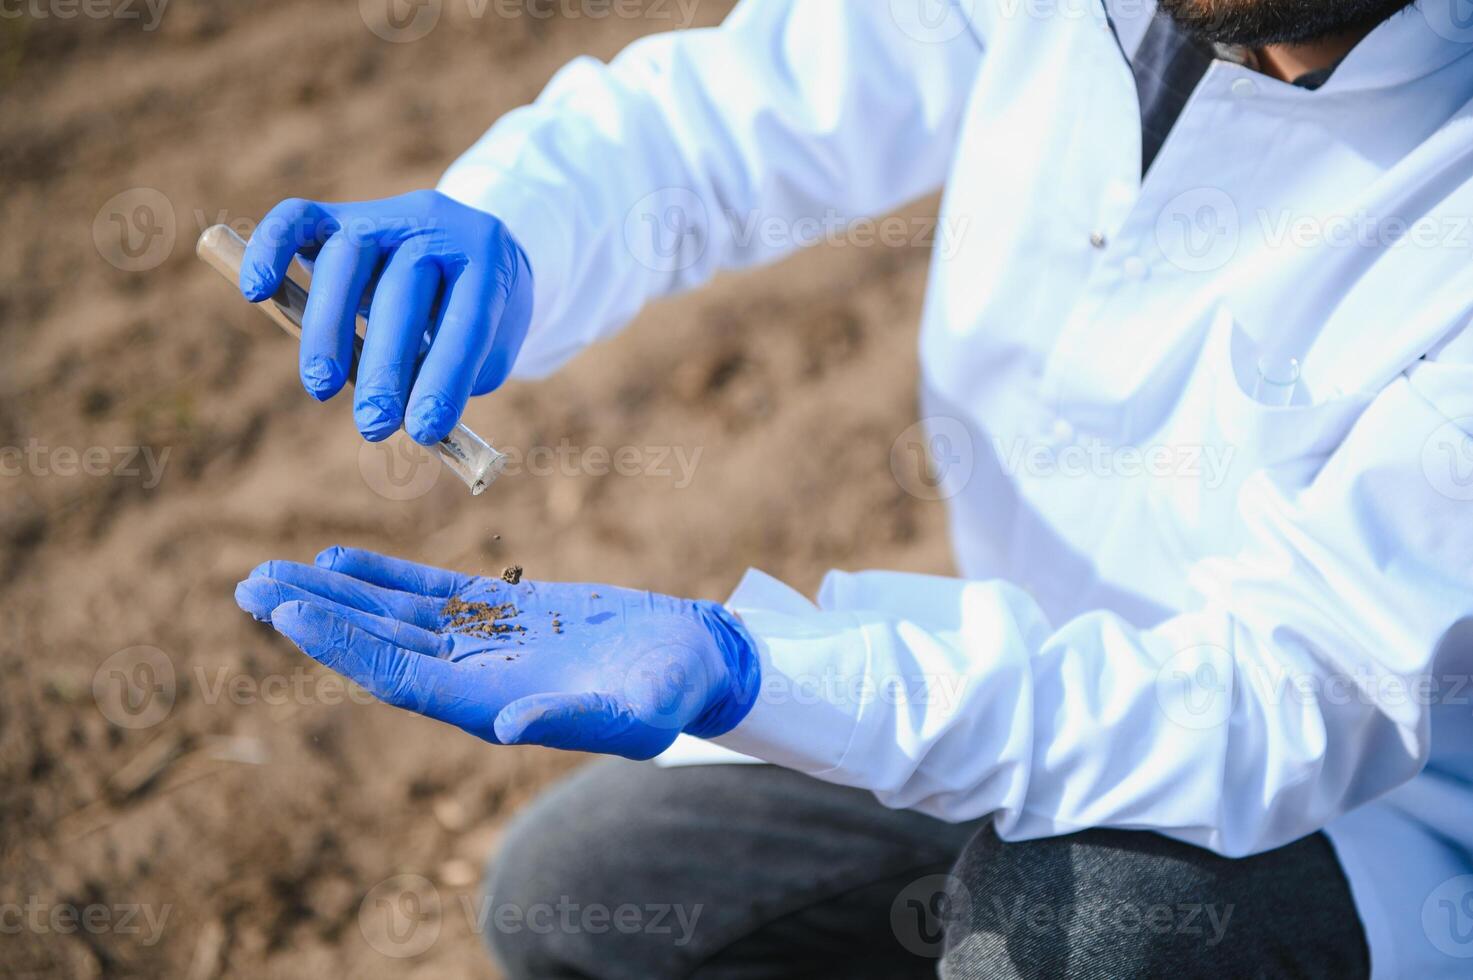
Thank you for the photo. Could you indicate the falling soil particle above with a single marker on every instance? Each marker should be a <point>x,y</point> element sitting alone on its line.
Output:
<point>512,574</point>
<point>594,595</point>
<point>557,622</point>
<point>480,618</point>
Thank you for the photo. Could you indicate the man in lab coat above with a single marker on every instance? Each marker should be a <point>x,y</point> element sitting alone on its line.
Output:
<point>1197,705</point>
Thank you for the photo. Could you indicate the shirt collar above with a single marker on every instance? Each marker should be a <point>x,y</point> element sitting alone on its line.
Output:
<point>1248,58</point>
<point>1410,44</point>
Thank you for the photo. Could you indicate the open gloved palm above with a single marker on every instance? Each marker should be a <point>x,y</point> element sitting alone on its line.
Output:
<point>589,667</point>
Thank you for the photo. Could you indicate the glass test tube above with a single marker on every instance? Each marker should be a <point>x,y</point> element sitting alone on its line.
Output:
<point>466,454</point>
<point>1277,379</point>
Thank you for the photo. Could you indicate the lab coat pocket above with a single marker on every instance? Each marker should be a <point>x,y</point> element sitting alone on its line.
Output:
<point>1243,424</point>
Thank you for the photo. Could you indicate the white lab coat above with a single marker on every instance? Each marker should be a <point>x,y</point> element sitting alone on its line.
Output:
<point>1188,606</point>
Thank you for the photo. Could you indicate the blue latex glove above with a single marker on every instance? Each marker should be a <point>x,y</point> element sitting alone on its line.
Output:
<point>586,667</point>
<point>431,273</point>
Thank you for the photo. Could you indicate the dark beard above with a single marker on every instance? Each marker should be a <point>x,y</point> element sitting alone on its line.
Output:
<point>1254,23</point>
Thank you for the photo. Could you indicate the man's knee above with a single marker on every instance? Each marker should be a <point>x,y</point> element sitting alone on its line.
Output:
<point>570,891</point>
<point>543,890</point>
<point>519,882</point>
<point>1121,903</point>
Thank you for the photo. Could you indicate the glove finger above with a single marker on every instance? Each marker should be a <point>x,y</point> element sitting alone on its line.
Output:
<point>292,226</point>
<point>339,280</point>
<point>260,596</point>
<point>460,345</point>
<point>397,320</point>
<point>418,610</point>
<point>588,722</point>
<point>392,573</point>
<point>428,686</point>
<point>509,327</point>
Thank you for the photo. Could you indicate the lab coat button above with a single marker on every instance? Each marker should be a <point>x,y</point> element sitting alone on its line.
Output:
<point>1097,239</point>
<point>1244,87</point>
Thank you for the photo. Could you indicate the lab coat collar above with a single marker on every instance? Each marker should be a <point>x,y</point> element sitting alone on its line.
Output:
<point>1411,44</point>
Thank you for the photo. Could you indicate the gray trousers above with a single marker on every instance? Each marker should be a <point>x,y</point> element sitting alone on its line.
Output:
<point>628,870</point>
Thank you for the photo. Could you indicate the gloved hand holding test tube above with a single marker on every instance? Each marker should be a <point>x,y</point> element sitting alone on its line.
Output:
<point>466,454</point>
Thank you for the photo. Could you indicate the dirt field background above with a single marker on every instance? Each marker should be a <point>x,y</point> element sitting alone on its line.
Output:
<point>159,752</point>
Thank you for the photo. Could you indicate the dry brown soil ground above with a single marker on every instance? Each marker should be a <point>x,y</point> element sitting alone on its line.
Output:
<point>256,812</point>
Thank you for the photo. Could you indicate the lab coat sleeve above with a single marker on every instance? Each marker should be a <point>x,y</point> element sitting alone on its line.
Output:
<point>698,150</point>
<point>1301,686</point>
